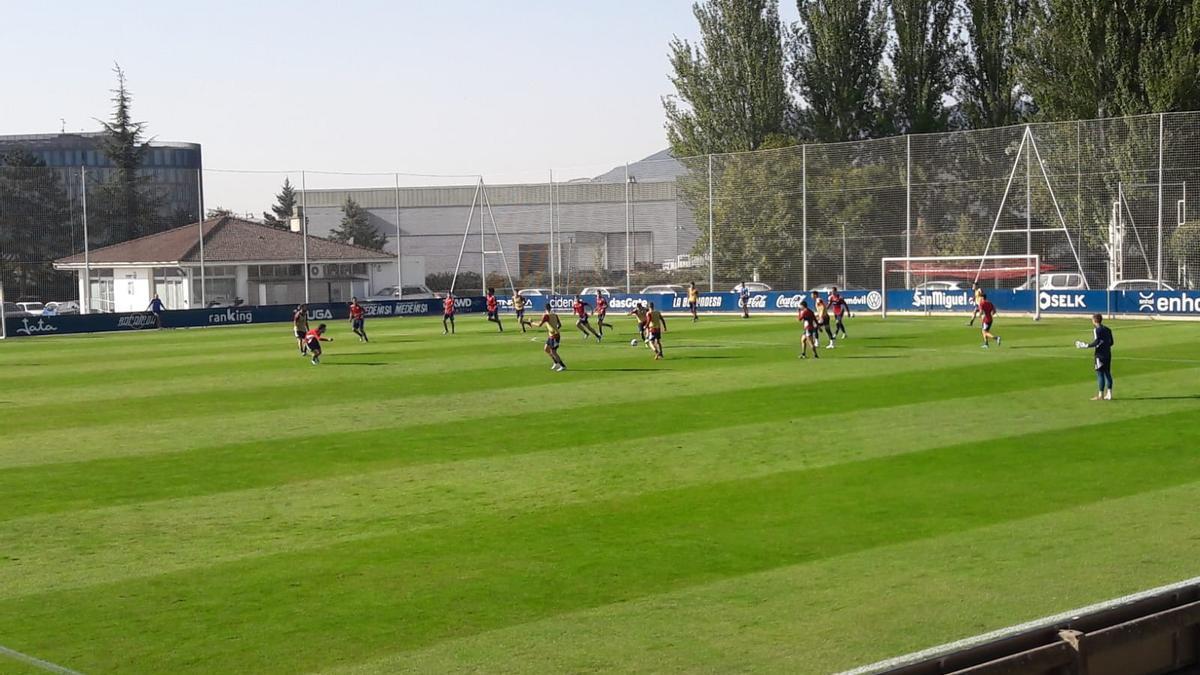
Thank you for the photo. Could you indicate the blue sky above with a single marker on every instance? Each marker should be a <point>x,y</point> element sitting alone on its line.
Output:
<point>505,89</point>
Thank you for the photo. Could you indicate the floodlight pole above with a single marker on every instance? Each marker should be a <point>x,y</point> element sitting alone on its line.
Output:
<point>804,216</point>
<point>1028,198</point>
<point>628,261</point>
<point>907,206</point>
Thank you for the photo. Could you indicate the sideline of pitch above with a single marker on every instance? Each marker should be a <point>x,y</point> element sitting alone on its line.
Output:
<point>36,662</point>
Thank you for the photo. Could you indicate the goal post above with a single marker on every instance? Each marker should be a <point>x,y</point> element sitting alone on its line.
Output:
<point>942,280</point>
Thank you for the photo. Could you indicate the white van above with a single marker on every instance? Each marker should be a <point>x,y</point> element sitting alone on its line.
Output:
<point>1056,281</point>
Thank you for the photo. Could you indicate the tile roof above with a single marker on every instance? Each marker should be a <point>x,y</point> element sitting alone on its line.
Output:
<point>226,240</point>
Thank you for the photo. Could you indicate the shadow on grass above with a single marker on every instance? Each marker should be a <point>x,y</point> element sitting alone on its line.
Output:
<point>357,363</point>
<point>616,370</point>
<point>1185,397</point>
<point>870,357</point>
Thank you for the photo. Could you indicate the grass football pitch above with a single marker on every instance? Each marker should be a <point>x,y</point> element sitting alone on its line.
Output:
<point>207,501</point>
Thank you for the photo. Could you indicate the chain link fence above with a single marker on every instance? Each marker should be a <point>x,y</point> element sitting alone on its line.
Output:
<point>1106,201</point>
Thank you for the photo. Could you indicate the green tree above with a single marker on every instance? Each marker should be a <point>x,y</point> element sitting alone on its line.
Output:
<point>922,64</point>
<point>731,89</point>
<point>127,205</point>
<point>987,65</point>
<point>356,228</point>
<point>285,205</point>
<point>1184,249</point>
<point>35,228</point>
<point>1104,58</point>
<point>837,50</point>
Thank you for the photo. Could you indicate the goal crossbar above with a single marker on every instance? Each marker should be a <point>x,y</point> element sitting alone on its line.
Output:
<point>935,265</point>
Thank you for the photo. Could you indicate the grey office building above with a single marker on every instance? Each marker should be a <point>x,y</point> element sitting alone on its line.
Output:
<point>589,219</point>
<point>171,167</point>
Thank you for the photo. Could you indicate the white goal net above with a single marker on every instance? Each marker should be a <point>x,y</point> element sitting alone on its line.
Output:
<point>935,284</point>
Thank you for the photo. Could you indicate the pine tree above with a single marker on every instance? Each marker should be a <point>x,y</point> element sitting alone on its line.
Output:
<point>922,64</point>
<point>35,227</point>
<point>127,205</point>
<point>284,207</point>
<point>837,52</point>
<point>356,228</point>
<point>731,89</point>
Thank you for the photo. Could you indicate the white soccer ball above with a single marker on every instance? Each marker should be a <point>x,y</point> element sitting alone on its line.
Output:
<point>633,342</point>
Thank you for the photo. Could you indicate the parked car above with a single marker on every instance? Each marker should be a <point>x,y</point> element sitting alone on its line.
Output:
<point>1139,285</point>
<point>602,290</point>
<point>417,292</point>
<point>752,286</point>
<point>224,301</point>
<point>1057,281</point>
<point>942,285</point>
<point>534,292</point>
<point>11,310</point>
<point>664,289</point>
<point>63,307</point>
<point>32,308</point>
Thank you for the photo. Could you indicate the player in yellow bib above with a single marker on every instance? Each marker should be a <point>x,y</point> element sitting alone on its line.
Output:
<point>823,319</point>
<point>639,311</point>
<point>656,325</point>
<point>519,303</point>
<point>693,300</point>
<point>978,299</point>
<point>553,324</point>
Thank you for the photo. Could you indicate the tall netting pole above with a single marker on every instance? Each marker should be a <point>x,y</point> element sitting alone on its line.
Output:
<point>304,229</point>
<point>1160,201</point>
<point>87,254</point>
<point>712,286</point>
<point>804,217</point>
<point>200,223</point>
<point>399,245</point>
<point>907,207</point>
<point>550,249</point>
<point>629,264</point>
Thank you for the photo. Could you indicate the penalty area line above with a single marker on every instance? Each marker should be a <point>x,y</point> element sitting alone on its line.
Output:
<point>36,662</point>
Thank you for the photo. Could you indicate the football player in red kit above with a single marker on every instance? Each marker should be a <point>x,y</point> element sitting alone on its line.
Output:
<point>358,318</point>
<point>580,308</point>
<point>840,310</point>
<point>448,314</point>
<point>987,311</point>
<point>808,320</point>
<point>493,308</point>
<point>601,312</point>
<point>313,340</point>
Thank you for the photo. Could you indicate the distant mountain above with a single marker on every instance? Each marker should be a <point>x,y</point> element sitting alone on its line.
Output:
<point>657,168</point>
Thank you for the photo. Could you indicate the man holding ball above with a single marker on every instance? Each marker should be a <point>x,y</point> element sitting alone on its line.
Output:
<point>1102,342</point>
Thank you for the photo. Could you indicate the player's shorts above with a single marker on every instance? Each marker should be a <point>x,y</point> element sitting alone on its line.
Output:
<point>600,316</point>
<point>581,319</point>
<point>357,324</point>
<point>823,321</point>
<point>493,314</point>
<point>987,325</point>
<point>691,305</point>
<point>300,333</point>
<point>743,302</point>
<point>314,346</point>
<point>1102,364</point>
<point>655,335</point>
<point>448,315</point>
<point>811,332</point>
<point>520,313</point>
<point>552,342</point>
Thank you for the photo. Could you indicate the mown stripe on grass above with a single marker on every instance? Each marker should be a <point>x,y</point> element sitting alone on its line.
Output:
<point>831,614</point>
<point>114,543</point>
<point>503,570</point>
<point>103,482</point>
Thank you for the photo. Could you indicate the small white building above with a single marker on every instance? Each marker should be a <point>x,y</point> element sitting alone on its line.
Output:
<point>244,260</point>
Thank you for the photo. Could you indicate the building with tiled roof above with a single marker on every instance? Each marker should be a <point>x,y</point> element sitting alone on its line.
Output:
<point>235,259</point>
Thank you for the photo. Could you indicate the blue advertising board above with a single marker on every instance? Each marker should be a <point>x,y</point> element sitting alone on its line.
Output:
<point>224,316</point>
<point>770,301</point>
<point>1152,303</point>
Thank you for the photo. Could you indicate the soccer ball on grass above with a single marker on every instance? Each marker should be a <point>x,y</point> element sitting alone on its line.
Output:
<point>633,342</point>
